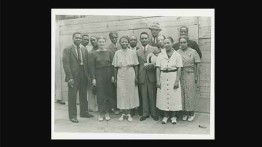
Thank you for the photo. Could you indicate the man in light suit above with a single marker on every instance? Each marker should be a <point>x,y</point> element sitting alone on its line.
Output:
<point>147,78</point>
<point>155,30</point>
<point>76,71</point>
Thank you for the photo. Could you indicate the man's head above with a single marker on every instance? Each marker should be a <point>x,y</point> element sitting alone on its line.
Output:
<point>113,37</point>
<point>144,38</point>
<point>133,41</point>
<point>183,31</point>
<point>155,29</point>
<point>77,38</point>
<point>85,40</point>
<point>93,40</point>
<point>160,40</point>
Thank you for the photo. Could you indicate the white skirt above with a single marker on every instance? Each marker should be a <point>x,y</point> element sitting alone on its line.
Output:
<point>168,98</point>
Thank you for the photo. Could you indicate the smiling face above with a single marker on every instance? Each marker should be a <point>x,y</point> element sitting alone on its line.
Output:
<point>77,39</point>
<point>101,43</point>
<point>93,41</point>
<point>144,39</point>
<point>168,44</point>
<point>183,43</point>
<point>124,43</point>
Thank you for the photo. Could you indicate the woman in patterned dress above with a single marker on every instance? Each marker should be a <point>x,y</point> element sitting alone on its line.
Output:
<point>189,78</point>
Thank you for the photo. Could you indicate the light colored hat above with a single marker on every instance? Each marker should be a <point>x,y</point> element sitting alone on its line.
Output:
<point>151,58</point>
<point>155,26</point>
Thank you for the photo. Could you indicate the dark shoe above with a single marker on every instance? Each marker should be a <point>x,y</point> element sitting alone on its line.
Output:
<point>74,120</point>
<point>155,118</point>
<point>143,118</point>
<point>87,115</point>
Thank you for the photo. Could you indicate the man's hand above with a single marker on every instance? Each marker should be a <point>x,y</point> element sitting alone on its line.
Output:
<point>176,85</point>
<point>94,82</point>
<point>71,82</point>
<point>158,85</point>
<point>136,81</point>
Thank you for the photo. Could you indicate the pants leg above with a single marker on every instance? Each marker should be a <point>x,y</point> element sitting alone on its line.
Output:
<point>144,96</point>
<point>72,109</point>
<point>83,92</point>
<point>152,97</point>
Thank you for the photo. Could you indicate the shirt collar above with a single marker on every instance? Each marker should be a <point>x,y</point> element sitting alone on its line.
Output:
<point>75,45</point>
<point>145,47</point>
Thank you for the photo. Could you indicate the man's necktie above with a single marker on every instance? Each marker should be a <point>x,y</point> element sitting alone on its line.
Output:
<point>79,54</point>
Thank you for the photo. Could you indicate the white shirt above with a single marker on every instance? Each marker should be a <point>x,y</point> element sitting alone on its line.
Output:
<point>145,48</point>
<point>81,55</point>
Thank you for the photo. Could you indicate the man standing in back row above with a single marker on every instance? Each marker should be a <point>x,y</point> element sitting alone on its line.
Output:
<point>183,32</point>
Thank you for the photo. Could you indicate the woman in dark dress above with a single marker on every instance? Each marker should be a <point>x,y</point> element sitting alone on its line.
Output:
<point>102,78</point>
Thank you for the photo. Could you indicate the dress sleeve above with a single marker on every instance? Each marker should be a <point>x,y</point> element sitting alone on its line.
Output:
<point>179,61</point>
<point>196,57</point>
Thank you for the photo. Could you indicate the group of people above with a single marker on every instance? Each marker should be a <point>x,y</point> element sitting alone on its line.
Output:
<point>158,79</point>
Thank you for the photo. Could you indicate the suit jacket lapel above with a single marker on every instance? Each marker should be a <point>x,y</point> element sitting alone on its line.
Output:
<point>141,54</point>
<point>74,51</point>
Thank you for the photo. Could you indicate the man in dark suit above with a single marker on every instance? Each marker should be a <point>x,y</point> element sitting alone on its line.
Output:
<point>183,31</point>
<point>114,47</point>
<point>155,29</point>
<point>76,71</point>
<point>147,78</point>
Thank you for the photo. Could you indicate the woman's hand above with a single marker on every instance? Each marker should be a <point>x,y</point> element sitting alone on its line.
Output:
<point>136,81</point>
<point>94,82</point>
<point>158,85</point>
<point>113,79</point>
<point>176,85</point>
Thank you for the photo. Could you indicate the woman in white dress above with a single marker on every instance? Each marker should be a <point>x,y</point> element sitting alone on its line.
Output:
<point>125,62</point>
<point>168,73</point>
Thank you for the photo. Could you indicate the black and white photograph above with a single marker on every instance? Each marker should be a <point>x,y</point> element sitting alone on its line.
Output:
<point>132,74</point>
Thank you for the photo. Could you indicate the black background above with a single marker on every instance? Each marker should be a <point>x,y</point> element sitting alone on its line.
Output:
<point>26,69</point>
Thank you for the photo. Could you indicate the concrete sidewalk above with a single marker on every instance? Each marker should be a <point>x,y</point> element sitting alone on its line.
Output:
<point>92,125</point>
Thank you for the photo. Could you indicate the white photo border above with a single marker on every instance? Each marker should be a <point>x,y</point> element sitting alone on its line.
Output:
<point>133,12</point>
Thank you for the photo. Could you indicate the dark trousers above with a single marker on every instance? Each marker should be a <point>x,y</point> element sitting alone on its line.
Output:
<point>148,95</point>
<point>80,84</point>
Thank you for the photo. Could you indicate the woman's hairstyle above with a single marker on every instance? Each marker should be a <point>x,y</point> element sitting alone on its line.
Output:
<point>101,37</point>
<point>183,38</point>
<point>170,38</point>
<point>124,37</point>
